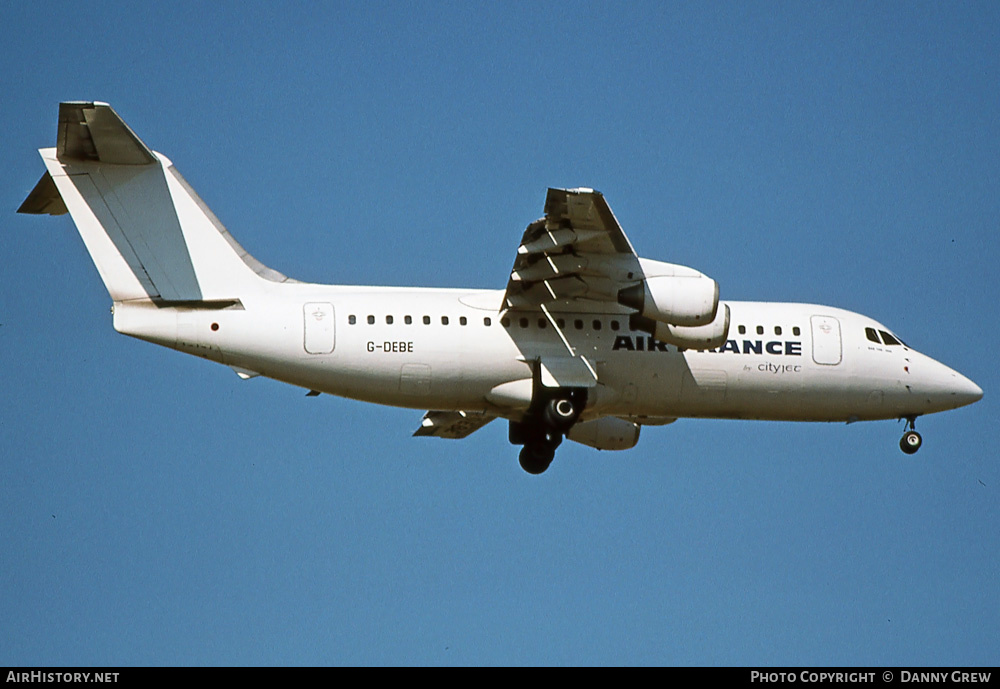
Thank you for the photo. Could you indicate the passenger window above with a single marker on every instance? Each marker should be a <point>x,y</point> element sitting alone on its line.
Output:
<point>505,322</point>
<point>796,331</point>
<point>371,320</point>
<point>408,319</point>
<point>597,324</point>
<point>889,339</point>
<point>743,330</point>
<point>523,322</point>
<point>614,325</point>
<point>487,322</point>
<point>871,335</point>
<point>388,320</point>
<point>760,329</point>
<point>427,320</point>
<point>444,320</point>
<point>777,330</point>
<point>578,324</point>
<point>352,320</point>
<point>462,320</point>
<point>542,323</point>
<point>561,322</point>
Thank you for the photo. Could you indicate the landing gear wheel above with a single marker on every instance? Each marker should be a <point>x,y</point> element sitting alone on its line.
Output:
<point>560,413</point>
<point>910,442</point>
<point>536,458</point>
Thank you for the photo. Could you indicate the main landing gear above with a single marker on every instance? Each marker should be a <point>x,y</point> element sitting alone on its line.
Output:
<point>911,440</point>
<point>542,430</point>
<point>538,453</point>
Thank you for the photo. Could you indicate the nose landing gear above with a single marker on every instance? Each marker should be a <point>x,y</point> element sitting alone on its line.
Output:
<point>911,440</point>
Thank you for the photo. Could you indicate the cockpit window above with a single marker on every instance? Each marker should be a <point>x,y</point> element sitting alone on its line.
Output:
<point>889,339</point>
<point>872,335</point>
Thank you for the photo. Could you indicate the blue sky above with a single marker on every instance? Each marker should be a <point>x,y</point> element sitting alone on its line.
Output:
<point>155,509</point>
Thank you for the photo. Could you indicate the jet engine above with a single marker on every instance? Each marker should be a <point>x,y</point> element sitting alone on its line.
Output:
<point>606,433</point>
<point>685,297</point>
<point>708,336</point>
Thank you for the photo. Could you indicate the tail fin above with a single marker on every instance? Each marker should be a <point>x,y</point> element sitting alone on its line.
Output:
<point>148,232</point>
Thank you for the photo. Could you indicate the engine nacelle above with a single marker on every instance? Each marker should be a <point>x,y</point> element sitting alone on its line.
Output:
<point>685,300</point>
<point>708,336</point>
<point>606,433</point>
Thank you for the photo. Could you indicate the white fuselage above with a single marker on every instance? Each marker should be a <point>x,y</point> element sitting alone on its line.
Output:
<point>446,349</point>
<point>574,347</point>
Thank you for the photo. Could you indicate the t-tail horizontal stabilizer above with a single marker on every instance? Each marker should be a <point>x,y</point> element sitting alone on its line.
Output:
<point>148,232</point>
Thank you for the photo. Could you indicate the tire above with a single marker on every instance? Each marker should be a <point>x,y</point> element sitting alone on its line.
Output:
<point>534,459</point>
<point>910,442</point>
<point>560,414</point>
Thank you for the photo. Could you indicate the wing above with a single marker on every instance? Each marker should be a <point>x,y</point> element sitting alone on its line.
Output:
<point>577,258</point>
<point>578,251</point>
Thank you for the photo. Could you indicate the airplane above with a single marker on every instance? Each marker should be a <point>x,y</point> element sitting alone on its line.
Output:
<point>587,342</point>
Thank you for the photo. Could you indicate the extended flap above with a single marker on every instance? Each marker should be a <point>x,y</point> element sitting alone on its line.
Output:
<point>452,424</point>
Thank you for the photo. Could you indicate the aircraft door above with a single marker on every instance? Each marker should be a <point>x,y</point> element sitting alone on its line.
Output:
<point>319,327</point>
<point>415,379</point>
<point>826,345</point>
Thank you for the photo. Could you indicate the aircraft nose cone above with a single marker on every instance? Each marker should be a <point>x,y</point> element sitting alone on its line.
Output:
<point>961,390</point>
<point>969,392</point>
<point>945,388</point>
